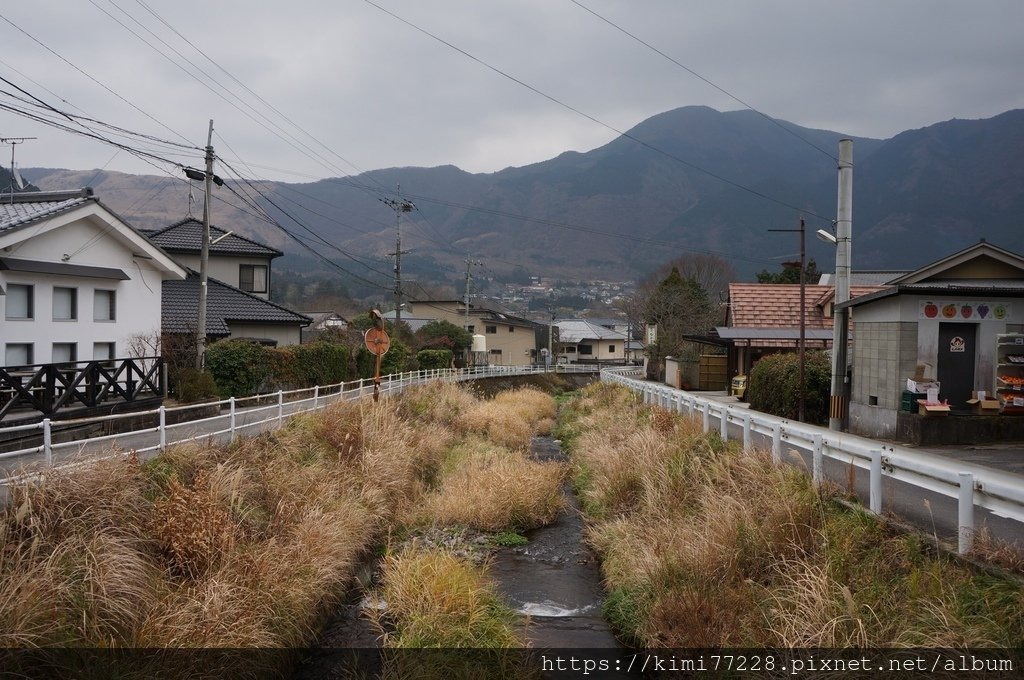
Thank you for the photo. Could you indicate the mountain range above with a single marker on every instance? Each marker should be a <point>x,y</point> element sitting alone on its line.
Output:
<point>690,179</point>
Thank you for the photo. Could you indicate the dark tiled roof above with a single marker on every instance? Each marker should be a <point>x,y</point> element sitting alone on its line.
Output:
<point>32,206</point>
<point>224,303</point>
<point>186,236</point>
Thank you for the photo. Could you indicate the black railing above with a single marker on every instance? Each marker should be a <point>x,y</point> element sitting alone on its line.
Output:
<point>49,388</point>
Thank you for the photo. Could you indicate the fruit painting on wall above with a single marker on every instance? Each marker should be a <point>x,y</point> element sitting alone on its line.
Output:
<point>964,311</point>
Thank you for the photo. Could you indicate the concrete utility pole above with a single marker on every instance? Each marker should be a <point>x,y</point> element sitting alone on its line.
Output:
<point>840,320</point>
<point>469,279</point>
<point>399,206</point>
<point>204,255</point>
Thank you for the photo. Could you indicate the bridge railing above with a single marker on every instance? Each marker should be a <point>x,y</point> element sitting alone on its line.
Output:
<point>969,485</point>
<point>157,429</point>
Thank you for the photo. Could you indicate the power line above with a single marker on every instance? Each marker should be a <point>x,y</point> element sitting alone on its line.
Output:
<point>627,135</point>
<point>706,80</point>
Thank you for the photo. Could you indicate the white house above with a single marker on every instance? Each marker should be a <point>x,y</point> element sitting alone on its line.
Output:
<point>580,341</point>
<point>76,282</point>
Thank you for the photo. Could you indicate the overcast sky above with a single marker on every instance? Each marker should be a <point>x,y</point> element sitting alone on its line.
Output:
<point>360,85</point>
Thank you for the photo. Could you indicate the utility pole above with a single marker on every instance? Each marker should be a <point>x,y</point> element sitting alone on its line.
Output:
<point>469,279</point>
<point>840,318</point>
<point>803,316</point>
<point>204,256</point>
<point>14,178</point>
<point>399,206</point>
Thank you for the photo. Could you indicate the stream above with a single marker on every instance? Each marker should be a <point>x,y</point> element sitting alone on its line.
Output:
<point>554,581</point>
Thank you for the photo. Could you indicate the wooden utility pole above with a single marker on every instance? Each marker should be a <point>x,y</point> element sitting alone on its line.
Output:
<point>803,316</point>
<point>204,255</point>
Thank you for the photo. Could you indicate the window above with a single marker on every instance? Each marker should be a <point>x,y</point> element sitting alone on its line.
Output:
<point>571,349</point>
<point>104,305</point>
<point>65,304</point>
<point>252,278</point>
<point>19,301</point>
<point>611,349</point>
<point>491,329</point>
<point>511,329</point>
<point>102,351</point>
<point>586,349</point>
<point>471,329</point>
<point>18,353</point>
<point>64,352</point>
<point>496,352</point>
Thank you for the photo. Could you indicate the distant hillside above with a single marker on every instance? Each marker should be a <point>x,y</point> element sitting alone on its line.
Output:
<point>918,196</point>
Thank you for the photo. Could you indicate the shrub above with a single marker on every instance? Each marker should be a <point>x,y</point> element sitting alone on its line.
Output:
<point>434,358</point>
<point>239,367</point>
<point>774,386</point>
<point>392,362</point>
<point>194,385</point>
<point>316,363</point>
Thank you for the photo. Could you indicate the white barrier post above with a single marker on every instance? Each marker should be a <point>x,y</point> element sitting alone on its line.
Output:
<point>47,441</point>
<point>747,439</point>
<point>231,403</point>
<point>723,422</point>
<point>707,416</point>
<point>280,408</point>
<point>966,513</point>
<point>818,474</point>
<point>316,397</point>
<point>875,494</point>
<point>777,443</point>
<point>163,427</point>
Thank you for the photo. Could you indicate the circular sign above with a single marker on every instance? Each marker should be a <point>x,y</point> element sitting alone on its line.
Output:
<point>377,341</point>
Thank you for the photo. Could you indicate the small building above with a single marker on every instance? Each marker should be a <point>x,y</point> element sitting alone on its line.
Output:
<point>510,340</point>
<point>583,342</point>
<point>945,322</point>
<point>77,283</point>
<point>321,322</point>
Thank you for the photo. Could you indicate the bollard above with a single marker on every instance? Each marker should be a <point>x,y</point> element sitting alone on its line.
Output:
<point>706,412</point>
<point>723,422</point>
<point>966,513</point>
<point>280,408</point>
<point>875,494</point>
<point>316,396</point>
<point>748,444</point>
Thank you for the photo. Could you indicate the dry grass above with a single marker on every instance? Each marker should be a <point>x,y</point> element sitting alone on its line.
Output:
<point>249,545</point>
<point>489,488</point>
<point>511,418</point>
<point>434,599</point>
<point>705,546</point>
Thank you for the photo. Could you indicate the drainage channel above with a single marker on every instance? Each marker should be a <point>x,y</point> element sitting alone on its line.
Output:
<point>554,580</point>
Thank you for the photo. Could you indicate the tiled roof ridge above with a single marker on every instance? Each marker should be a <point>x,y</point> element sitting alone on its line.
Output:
<point>211,279</point>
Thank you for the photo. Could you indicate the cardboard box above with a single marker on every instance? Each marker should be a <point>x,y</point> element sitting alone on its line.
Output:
<point>984,406</point>
<point>921,386</point>
<point>923,373</point>
<point>931,408</point>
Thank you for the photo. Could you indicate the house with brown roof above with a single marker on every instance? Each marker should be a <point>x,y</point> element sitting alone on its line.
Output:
<point>764,318</point>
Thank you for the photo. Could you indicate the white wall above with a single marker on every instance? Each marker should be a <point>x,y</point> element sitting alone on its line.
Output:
<point>225,268</point>
<point>138,299</point>
<point>285,335</point>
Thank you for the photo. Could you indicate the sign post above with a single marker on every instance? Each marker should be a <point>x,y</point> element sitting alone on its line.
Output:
<point>378,342</point>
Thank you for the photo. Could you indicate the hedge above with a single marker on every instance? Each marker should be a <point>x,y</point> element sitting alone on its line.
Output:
<point>774,386</point>
<point>395,361</point>
<point>242,368</point>
<point>434,358</point>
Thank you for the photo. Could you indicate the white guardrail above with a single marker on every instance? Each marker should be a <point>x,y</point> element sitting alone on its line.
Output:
<point>970,485</point>
<point>237,414</point>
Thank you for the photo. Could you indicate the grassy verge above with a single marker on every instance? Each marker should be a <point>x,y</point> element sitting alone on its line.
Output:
<point>705,546</point>
<point>251,545</point>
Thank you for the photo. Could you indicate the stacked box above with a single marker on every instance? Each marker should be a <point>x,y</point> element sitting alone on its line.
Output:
<point>908,402</point>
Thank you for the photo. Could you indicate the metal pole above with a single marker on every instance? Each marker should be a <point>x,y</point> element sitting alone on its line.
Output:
<point>844,230</point>
<point>875,483</point>
<point>966,513</point>
<point>817,468</point>
<point>163,428</point>
<point>803,324</point>
<point>204,255</point>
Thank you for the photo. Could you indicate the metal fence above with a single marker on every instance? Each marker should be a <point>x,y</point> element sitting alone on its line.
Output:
<point>222,420</point>
<point>970,486</point>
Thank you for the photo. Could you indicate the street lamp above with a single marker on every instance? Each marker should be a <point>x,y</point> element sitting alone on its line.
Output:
<point>826,236</point>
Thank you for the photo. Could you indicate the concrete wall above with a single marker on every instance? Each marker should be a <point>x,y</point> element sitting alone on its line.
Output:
<point>285,335</point>
<point>226,269</point>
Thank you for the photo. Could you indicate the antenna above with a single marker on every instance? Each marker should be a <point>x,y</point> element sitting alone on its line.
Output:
<point>16,181</point>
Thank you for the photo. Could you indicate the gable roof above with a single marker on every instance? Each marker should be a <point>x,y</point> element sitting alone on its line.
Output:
<point>29,207</point>
<point>50,210</point>
<point>957,266</point>
<point>774,305</point>
<point>224,303</point>
<point>577,330</point>
<point>186,236</point>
